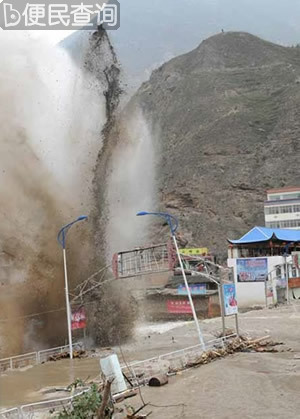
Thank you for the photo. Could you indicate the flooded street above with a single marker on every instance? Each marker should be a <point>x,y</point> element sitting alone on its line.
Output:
<point>27,385</point>
<point>30,385</point>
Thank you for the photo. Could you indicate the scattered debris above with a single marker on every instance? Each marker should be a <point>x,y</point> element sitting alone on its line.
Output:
<point>101,413</point>
<point>158,380</point>
<point>238,344</point>
<point>228,332</point>
<point>125,395</point>
<point>134,414</point>
<point>64,355</point>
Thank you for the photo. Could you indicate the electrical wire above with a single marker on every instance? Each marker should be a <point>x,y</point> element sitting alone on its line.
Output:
<point>40,313</point>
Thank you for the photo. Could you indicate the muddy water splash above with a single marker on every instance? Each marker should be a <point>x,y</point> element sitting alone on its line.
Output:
<point>51,118</point>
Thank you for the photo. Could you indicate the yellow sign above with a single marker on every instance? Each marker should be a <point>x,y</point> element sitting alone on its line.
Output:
<point>199,251</point>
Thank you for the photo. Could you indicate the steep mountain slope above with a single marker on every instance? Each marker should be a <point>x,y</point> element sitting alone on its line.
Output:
<point>227,122</point>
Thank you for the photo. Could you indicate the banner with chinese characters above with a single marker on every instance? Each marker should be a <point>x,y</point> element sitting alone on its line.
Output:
<point>179,307</point>
<point>78,319</point>
<point>195,251</point>
<point>230,302</point>
<point>195,289</point>
<point>252,270</point>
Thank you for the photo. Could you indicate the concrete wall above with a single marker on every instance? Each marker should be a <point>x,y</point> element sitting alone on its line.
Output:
<point>252,293</point>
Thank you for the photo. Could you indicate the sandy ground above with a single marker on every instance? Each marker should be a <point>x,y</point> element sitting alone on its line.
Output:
<point>248,385</point>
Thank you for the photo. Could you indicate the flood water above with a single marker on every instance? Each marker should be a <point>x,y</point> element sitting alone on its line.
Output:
<point>27,385</point>
<point>30,384</point>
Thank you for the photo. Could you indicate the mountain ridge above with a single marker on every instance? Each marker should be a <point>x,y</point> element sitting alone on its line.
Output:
<point>226,127</point>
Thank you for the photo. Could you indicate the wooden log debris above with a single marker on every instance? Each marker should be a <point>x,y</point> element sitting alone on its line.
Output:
<point>238,344</point>
<point>101,413</point>
<point>63,355</point>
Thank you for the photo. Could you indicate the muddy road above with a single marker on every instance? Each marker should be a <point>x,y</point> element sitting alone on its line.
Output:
<point>246,384</point>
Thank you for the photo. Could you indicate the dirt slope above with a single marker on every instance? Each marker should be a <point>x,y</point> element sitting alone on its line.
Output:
<point>226,116</point>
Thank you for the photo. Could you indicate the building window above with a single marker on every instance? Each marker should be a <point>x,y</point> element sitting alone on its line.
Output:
<point>296,208</point>
<point>274,197</point>
<point>278,271</point>
<point>286,209</point>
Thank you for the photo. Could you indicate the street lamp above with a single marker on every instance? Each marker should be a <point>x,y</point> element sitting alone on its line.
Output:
<point>173,224</point>
<point>61,238</point>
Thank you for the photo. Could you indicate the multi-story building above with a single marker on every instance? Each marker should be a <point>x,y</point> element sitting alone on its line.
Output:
<point>282,208</point>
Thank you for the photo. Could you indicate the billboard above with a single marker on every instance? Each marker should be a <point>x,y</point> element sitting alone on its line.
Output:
<point>195,251</point>
<point>252,270</point>
<point>78,319</point>
<point>179,307</point>
<point>296,259</point>
<point>230,302</point>
<point>195,289</point>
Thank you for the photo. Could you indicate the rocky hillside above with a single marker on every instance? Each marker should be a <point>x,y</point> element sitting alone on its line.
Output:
<point>227,119</point>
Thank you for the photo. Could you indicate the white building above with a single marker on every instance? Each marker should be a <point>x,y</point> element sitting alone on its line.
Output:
<point>261,257</point>
<point>282,208</point>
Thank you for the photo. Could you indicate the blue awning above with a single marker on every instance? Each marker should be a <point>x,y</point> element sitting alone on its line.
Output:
<point>262,234</point>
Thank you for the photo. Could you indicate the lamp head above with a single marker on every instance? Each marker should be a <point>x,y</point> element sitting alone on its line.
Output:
<point>82,217</point>
<point>142,213</point>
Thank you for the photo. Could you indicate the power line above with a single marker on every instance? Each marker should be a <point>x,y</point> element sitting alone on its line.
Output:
<point>32,315</point>
<point>40,313</point>
<point>27,316</point>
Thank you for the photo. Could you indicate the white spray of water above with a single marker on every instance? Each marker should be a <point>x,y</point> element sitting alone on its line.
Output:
<point>131,185</point>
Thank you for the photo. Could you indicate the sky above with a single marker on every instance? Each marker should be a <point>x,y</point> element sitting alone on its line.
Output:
<point>154,31</point>
<point>52,37</point>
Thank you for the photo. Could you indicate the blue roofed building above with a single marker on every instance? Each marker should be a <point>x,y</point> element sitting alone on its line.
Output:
<point>262,260</point>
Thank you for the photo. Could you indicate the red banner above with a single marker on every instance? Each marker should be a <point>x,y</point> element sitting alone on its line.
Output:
<point>79,319</point>
<point>179,307</point>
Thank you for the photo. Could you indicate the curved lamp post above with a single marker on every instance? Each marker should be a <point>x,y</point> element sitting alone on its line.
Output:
<point>61,238</point>
<point>173,224</point>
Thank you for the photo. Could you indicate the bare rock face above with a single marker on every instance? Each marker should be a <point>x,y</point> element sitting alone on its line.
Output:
<point>227,118</point>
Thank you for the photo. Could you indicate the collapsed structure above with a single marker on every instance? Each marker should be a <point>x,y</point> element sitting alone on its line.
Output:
<point>163,295</point>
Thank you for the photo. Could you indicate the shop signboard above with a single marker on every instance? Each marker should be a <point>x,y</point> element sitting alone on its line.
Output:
<point>195,289</point>
<point>179,307</point>
<point>230,302</point>
<point>252,270</point>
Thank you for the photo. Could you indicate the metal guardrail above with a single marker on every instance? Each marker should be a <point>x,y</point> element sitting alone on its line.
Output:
<point>140,373</point>
<point>37,410</point>
<point>11,414</point>
<point>33,358</point>
<point>34,410</point>
<point>18,361</point>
